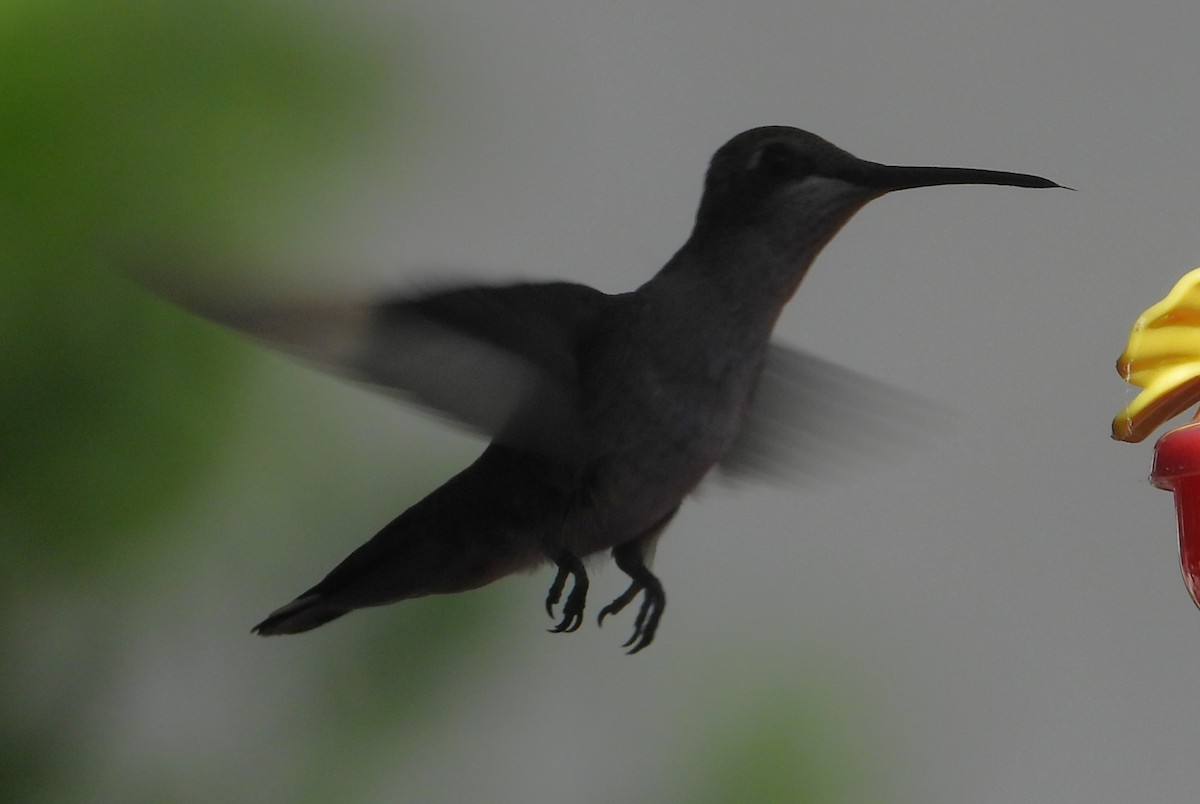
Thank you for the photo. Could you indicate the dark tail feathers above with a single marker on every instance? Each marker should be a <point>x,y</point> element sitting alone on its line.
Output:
<point>302,614</point>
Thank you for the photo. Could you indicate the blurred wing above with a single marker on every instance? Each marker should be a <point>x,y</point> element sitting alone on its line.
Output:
<point>811,419</point>
<point>501,360</point>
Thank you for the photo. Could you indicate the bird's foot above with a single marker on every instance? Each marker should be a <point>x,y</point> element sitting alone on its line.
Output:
<point>572,611</point>
<point>646,624</point>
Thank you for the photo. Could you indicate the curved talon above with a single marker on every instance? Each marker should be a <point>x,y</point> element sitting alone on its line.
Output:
<point>620,603</point>
<point>631,559</point>
<point>646,624</point>
<point>568,624</point>
<point>556,589</point>
<point>638,623</point>
<point>572,611</point>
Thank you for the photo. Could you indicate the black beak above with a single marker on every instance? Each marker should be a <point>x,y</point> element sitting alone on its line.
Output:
<point>887,177</point>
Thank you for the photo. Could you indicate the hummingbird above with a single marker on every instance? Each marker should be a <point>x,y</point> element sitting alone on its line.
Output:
<point>604,411</point>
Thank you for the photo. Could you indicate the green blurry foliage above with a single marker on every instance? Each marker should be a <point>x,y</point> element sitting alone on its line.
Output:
<point>125,124</point>
<point>768,737</point>
<point>135,117</point>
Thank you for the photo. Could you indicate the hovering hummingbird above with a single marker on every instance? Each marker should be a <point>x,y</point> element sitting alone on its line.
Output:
<point>604,411</point>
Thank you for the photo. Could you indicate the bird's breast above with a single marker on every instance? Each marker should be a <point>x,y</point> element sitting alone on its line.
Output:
<point>664,395</point>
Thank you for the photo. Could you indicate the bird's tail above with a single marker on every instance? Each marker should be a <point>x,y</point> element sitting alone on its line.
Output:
<point>303,614</point>
<point>482,524</point>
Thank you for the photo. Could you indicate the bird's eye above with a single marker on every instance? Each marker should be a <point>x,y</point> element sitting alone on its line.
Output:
<point>779,161</point>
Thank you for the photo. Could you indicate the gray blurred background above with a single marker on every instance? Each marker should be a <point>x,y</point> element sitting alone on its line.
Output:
<point>994,616</point>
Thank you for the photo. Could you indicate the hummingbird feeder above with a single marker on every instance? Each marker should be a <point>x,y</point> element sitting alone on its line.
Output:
<point>1163,359</point>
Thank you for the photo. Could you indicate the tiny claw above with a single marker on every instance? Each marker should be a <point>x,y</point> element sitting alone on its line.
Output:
<point>569,623</point>
<point>572,611</point>
<point>620,603</point>
<point>646,624</point>
<point>556,590</point>
<point>639,622</point>
<point>631,559</point>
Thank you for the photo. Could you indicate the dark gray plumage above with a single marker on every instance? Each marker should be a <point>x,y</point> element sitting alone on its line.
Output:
<point>605,411</point>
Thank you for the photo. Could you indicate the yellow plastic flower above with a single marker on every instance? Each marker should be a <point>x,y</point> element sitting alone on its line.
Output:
<point>1163,358</point>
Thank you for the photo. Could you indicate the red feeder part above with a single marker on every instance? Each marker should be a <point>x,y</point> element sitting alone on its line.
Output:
<point>1177,469</point>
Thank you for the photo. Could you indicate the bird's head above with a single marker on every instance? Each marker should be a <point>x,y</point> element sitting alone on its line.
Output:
<point>785,181</point>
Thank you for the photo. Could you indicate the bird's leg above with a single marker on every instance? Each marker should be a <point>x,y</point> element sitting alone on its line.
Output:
<point>631,559</point>
<point>572,614</point>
